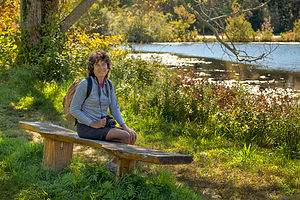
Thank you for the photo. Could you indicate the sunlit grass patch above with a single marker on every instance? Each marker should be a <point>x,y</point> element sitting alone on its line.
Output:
<point>23,104</point>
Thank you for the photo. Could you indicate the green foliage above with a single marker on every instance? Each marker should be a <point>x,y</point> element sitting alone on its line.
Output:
<point>143,21</point>
<point>267,120</point>
<point>239,29</point>
<point>80,44</point>
<point>46,59</point>
<point>138,25</point>
<point>61,58</point>
<point>297,30</point>
<point>8,32</point>
<point>292,35</point>
<point>182,24</point>
<point>266,31</point>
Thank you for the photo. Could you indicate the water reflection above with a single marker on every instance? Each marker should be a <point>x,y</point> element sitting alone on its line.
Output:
<point>250,74</point>
<point>227,70</point>
<point>284,56</point>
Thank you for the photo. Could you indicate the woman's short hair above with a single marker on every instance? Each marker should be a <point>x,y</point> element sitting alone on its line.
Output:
<point>95,57</point>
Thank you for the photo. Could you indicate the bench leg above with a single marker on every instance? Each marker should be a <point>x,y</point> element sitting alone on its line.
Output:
<point>57,154</point>
<point>125,166</point>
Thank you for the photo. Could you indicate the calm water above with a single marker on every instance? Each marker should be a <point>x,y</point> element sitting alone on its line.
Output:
<point>280,69</point>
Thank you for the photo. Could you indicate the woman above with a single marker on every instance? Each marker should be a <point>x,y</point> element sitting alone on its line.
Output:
<point>91,113</point>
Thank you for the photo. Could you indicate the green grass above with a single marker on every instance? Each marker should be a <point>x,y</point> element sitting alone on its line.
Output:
<point>230,169</point>
<point>21,173</point>
<point>245,157</point>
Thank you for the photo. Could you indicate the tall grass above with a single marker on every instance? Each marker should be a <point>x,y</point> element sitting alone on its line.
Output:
<point>267,119</point>
<point>236,136</point>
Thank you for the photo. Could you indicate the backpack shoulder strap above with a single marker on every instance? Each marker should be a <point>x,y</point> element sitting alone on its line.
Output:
<point>89,87</point>
<point>110,84</point>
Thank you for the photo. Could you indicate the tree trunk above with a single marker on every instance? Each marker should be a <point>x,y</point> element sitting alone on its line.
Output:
<point>34,15</point>
<point>31,19</point>
<point>37,14</point>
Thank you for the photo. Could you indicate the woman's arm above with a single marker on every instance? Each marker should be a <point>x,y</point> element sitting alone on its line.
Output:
<point>115,111</point>
<point>114,106</point>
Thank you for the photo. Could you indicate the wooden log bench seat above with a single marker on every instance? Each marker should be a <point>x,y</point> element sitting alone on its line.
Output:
<point>58,149</point>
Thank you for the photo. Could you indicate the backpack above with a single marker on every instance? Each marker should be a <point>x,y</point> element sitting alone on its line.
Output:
<point>69,96</point>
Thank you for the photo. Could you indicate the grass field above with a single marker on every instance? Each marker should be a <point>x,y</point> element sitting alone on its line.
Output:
<point>232,160</point>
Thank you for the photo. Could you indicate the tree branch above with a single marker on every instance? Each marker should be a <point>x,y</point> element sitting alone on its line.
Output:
<point>75,15</point>
<point>240,11</point>
<point>206,20</point>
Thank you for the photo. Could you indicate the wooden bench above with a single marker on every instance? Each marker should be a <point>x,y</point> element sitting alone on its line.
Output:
<point>58,149</point>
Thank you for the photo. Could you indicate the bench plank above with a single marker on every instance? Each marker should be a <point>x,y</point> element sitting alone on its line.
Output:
<point>123,151</point>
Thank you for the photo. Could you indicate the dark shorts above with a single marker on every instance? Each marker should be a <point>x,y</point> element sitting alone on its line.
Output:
<point>88,132</point>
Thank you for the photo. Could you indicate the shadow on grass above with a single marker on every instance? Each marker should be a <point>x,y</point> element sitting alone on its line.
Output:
<point>217,187</point>
<point>23,99</point>
<point>16,85</point>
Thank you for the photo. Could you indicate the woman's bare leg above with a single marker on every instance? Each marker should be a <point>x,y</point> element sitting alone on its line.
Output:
<point>119,135</point>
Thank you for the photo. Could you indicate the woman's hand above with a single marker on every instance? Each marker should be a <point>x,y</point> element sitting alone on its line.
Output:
<point>131,132</point>
<point>99,123</point>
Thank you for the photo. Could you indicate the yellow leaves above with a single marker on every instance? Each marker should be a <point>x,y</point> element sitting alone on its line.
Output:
<point>184,15</point>
<point>8,30</point>
<point>80,44</point>
<point>9,13</point>
<point>9,10</point>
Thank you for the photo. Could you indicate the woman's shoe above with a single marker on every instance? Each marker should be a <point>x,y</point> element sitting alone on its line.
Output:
<point>111,166</point>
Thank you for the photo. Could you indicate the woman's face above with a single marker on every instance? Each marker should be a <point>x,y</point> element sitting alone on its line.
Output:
<point>100,69</point>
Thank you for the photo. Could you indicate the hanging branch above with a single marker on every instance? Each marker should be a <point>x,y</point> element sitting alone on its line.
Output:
<point>240,11</point>
<point>75,15</point>
<point>214,23</point>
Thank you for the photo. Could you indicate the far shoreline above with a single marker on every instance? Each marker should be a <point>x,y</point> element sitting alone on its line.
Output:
<point>176,43</point>
<point>275,39</point>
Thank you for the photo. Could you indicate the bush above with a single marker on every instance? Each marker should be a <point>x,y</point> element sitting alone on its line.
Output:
<point>62,58</point>
<point>238,28</point>
<point>266,32</point>
<point>151,91</point>
<point>137,23</point>
<point>9,31</point>
<point>296,30</point>
<point>292,35</point>
<point>140,26</point>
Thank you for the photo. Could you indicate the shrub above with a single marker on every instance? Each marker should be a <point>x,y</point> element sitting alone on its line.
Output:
<point>180,27</point>
<point>80,44</point>
<point>266,32</point>
<point>63,57</point>
<point>292,35</point>
<point>9,31</point>
<point>268,120</point>
<point>238,28</point>
<point>296,30</point>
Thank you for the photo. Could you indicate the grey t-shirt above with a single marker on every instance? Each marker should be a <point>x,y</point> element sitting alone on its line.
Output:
<point>92,109</point>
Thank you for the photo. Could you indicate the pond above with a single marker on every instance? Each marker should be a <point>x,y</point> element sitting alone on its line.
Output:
<point>280,69</point>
